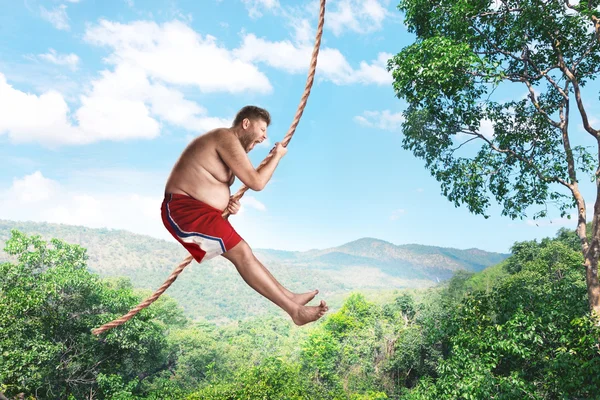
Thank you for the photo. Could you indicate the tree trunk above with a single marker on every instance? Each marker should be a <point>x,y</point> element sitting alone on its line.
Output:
<point>591,250</point>
<point>591,260</point>
<point>593,285</point>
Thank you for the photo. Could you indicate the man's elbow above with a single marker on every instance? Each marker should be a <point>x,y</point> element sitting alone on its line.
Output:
<point>256,184</point>
<point>257,187</point>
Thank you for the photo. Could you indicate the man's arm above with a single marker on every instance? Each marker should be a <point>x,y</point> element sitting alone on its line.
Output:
<point>233,154</point>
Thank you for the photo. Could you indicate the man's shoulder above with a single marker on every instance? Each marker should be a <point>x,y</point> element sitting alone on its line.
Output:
<point>216,133</point>
<point>223,136</point>
<point>222,132</point>
<point>213,137</point>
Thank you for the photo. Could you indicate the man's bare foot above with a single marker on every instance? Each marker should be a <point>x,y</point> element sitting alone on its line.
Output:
<point>303,298</point>
<point>306,314</point>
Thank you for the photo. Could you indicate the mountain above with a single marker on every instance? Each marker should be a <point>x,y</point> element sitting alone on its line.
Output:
<point>408,261</point>
<point>215,291</point>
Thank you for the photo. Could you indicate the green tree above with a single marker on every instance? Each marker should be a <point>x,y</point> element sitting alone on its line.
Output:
<point>49,303</point>
<point>529,337</point>
<point>464,51</point>
<point>273,378</point>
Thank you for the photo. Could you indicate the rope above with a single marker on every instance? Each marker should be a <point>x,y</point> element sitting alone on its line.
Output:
<point>303,100</point>
<point>240,192</point>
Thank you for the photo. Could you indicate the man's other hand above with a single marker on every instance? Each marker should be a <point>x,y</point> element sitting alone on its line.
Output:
<point>279,150</point>
<point>234,206</point>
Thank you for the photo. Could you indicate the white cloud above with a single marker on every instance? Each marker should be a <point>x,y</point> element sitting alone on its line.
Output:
<point>295,58</point>
<point>104,115</point>
<point>37,198</point>
<point>116,97</point>
<point>71,60</point>
<point>397,214</point>
<point>121,105</point>
<point>251,202</point>
<point>175,54</point>
<point>116,108</point>
<point>361,16</point>
<point>51,123</point>
<point>282,55</point>
<point>57,17</point>
<point>255,7</point>
<point>129,82</point>
<point>381,119</point>
<point>33,188</point>
<point>142,91</point>
<point>375,72</point>
<point>303,32</point>
<point>486,128</point>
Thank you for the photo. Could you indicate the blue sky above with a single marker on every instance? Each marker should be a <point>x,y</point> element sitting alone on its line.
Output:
<point>99,98</point>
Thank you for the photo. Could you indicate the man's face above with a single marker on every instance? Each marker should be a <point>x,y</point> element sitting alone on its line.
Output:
<point>256,132</point>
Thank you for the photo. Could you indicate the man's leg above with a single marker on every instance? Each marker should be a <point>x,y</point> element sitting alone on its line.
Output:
<point>257,276</point>
<point>301,298</point>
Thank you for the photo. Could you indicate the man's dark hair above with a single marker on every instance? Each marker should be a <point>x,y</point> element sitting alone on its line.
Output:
<point>252,112</point>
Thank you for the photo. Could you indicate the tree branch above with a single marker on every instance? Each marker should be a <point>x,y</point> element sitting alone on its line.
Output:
<point>585,54</point>
<point>499,50</point>
<point>545,75</point>
<point>537,105</point>
<point>596,22</point>
<point>573,79</point>
<point>494,172</point>
<point>521,158</point>
<point>564,117</point>
<point>525,59</point>
<point>462,144</point>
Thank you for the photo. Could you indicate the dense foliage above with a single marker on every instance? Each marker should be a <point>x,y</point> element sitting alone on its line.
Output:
<point>499,110</point>
<point>48,304</point>
<point>531,336</point>
<point>518,330</point>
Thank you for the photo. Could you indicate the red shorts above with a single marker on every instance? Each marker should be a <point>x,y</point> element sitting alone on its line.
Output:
<point>200,228</point>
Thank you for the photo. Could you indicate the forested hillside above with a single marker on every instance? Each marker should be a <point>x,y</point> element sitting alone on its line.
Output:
<point>518,330</point>
<point>215,291</point>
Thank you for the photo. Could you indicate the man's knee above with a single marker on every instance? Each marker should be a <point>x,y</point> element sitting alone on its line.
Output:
<point>239,253</point>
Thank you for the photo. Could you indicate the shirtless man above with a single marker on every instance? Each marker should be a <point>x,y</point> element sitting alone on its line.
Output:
<point>198,191</point>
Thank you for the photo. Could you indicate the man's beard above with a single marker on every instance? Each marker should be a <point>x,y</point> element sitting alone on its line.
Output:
<point>246,142</point>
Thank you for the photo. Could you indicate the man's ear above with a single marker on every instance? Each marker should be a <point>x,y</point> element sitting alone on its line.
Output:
<point>245,123</point>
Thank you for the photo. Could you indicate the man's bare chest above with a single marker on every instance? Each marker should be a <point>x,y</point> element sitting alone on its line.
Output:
<point>220,171</point>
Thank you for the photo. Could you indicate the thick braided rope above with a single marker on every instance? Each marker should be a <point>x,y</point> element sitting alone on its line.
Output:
<point>241,191</point>
<point>148,301</point>
<point>303,100</point>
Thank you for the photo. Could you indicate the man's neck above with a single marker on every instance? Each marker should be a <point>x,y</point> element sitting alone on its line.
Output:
<point>237,131</point>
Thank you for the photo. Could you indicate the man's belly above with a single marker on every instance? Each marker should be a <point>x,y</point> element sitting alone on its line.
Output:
<point>213,194</point>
